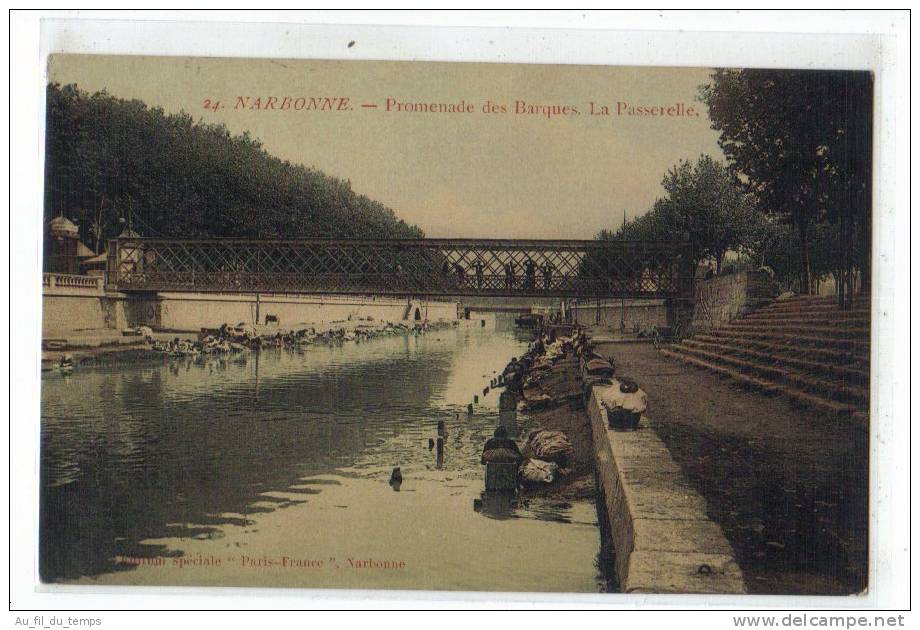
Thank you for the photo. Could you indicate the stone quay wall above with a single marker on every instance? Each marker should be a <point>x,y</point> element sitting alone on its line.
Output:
<point>724,299</point>
<point>73,303</point>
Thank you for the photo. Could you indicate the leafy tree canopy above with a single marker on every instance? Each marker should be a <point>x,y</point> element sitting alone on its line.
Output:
<point>703,204</point>
<point>110,161</point>
<point>800,142</point>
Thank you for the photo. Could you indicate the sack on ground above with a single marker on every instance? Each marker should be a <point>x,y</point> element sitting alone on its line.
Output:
<point>539,471</point>
<point>551,446</point>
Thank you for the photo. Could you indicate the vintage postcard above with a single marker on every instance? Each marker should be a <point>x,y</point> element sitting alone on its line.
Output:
<point>456,326</point>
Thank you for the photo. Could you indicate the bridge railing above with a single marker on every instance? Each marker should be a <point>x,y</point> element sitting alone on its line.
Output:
<point>487,267</point>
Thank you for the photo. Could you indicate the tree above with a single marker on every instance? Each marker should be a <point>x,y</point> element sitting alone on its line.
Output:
<point>110,161</point>
<point>800,142</point>
<point>702,203</point>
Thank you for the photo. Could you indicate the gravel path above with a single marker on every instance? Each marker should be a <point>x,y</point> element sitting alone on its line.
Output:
<point>788,487</point>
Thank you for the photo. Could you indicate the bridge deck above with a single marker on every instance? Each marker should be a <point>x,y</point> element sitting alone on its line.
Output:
<point>457,267</point>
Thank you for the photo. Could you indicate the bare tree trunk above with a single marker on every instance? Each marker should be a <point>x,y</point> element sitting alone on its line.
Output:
<point>865,254</point>
<point>97,231</point>
<point>865,227</point>
<point>805,259</point>
<point>849,261</point>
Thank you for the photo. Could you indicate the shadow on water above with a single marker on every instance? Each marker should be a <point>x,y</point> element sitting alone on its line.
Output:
<point>496,505</point>
<point>605,562</point>
<point>178,451</point>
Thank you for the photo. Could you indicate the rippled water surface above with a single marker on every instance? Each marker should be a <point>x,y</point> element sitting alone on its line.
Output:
<point>272,469</point>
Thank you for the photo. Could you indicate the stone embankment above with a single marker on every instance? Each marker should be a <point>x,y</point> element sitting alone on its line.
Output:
<point>787,486</point>
<point>143,344</point>
<point>655,523</point>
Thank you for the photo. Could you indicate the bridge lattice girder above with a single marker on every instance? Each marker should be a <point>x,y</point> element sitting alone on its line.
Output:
<point>431,267</point>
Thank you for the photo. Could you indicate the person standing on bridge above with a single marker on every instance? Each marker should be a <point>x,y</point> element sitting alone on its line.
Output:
<point>461,274</point>
<point>530,268</point>
<point>445,271</point>
<point>509,274</point>
<point>547,274</point>
<point>477,266</point>
<point>399,275</point>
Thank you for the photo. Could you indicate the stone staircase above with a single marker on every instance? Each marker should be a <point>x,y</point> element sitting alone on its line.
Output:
<point>804,348</point>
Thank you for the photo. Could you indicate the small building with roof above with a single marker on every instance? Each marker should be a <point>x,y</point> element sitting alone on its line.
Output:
<point>61,247</point>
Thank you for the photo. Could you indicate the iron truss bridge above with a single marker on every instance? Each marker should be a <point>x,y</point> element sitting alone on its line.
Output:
<point>421,267</point>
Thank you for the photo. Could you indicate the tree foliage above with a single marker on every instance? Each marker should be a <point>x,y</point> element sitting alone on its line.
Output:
<point>703,204</point>
<point>774,243</point>
<point>800,142</point>
<point>109,161</point>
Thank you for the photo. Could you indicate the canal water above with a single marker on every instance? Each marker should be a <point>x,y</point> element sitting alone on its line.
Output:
<point>273,469</point>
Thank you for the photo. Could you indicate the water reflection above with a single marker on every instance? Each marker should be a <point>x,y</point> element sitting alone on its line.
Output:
<point>153,461</point>
<point>497,505</point>
<point>508,420</point>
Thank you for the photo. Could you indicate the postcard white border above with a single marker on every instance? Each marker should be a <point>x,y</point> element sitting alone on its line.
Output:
<point>874,41</point>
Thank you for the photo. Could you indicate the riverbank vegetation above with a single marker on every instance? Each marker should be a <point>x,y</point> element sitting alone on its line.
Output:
<point>113,163</point>
<point>795,191</point>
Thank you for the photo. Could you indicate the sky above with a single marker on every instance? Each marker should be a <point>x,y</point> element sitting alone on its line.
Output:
<point>476,175</point>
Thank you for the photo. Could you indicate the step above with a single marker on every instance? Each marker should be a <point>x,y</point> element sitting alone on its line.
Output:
<point>837,319</point>
<point>853,346</point>
<point>807,305</point>
<point>831,390</point>
<point>840,357</point>
<point>834,313</point>
<point>819,299</point>
<point>828,332</point>
<point>794,395</point>
<point>856,373</point>
<point>837,389</point>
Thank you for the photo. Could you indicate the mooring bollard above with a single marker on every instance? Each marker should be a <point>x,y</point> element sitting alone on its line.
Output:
<point>396,479</point>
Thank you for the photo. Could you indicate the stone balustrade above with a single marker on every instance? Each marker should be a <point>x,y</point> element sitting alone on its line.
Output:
<point>66,283</point>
